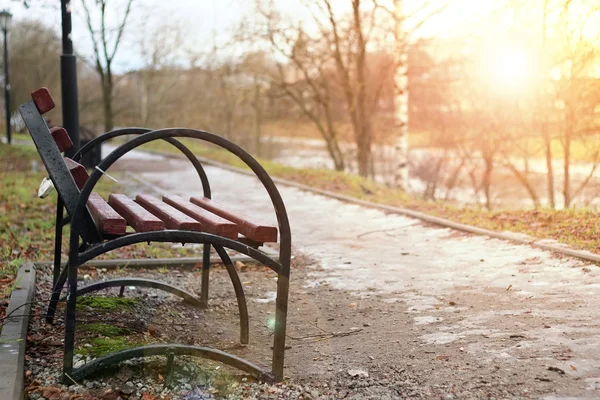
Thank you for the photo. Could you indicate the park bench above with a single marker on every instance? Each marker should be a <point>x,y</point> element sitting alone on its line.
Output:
<point>99,225</point>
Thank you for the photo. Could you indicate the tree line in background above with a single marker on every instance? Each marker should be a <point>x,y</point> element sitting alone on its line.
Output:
<point>336,81</point>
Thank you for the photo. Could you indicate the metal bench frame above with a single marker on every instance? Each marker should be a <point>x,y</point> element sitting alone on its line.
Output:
<point>86,243</point>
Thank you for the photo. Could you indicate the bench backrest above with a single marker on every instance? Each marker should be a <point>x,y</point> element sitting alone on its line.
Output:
<point>55,163</point>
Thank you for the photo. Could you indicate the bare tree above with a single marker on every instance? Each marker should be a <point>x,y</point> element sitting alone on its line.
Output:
<point>106,40</point>
<point>305,78</point>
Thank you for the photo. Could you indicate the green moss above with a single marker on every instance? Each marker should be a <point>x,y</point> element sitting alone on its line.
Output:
<point>106,303</point>
<point>104,329</point>
<point>102,346</point>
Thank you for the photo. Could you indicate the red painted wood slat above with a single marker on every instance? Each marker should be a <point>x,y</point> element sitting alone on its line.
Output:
<point>61,138</point>
<point>78,171</point>
<point>211,223</point>
<point>251,229</point>
<point>42,99</point>
<point>172,217</point>
<point>136,216</point>
<point>106,218</point>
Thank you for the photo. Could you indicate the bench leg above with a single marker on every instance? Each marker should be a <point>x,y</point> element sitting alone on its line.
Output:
<point>205,275</point>
<point>70,324</point>
<point>239,294</point>
<point>283,283</point>
<point>58,240</point>
<point>56,291</point>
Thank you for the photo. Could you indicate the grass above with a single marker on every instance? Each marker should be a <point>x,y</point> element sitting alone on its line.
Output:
<point>579,228</point>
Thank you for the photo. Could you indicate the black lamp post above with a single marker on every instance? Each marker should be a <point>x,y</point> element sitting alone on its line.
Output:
<point>5,17</point>
<point>68,79</point>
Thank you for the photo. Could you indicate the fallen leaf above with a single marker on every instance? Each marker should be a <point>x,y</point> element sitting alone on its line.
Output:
<point>572,367</point>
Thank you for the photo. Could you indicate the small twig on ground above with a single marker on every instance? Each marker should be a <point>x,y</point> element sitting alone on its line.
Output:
<point>327,335</point>
<point>377,231</point>
<point>72,380</point>
<point>315,324</point>
<point>7,316</point>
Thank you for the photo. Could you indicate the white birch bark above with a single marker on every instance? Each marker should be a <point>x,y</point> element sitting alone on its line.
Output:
<point>400,103</point>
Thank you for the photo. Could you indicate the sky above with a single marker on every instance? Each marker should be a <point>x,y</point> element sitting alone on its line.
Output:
<point>200,20</point>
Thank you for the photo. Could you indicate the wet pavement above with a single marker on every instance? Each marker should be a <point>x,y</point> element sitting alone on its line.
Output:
<point>498,301</point>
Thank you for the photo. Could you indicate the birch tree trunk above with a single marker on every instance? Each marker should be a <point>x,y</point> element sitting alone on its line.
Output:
<point>400,103</point>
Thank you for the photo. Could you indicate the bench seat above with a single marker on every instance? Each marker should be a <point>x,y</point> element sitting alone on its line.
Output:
<point>148,213</point>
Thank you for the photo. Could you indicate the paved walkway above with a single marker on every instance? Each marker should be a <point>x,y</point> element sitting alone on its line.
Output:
<point>498,301</point>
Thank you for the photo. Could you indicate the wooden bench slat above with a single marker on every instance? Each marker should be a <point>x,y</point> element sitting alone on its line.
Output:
<point>61,138</point>
<point>211,223</point>
<point>172,217</point>
<point>78,171</point>
<point>251,229</point>
<point>105,217</point>
<point>136,215</point>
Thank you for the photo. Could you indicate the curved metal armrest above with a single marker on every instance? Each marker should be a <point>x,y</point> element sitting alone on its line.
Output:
<point>106,136</point>
<point>140,131</point>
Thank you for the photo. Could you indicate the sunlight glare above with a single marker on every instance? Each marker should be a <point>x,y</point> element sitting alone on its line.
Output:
<point>510,68</point>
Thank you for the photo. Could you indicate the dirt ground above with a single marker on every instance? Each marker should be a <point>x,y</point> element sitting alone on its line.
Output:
<point>339,346</point>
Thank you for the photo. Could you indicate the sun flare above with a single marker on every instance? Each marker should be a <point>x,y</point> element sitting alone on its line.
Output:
<point>509,68</point>
<point>511,65</point>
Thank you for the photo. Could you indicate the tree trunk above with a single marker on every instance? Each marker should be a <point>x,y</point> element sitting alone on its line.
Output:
<point>108,113</point>
<point>333,148</point>
<point>362,119</point>
<point>544,119</point>
<point>257,117</point>
<point>451,182</point>
<point>144,100</point>
<point>487,180</point>
<point>400,104</point>
<point>550,170</point>
<point>567,158</point>
<point>363,154</point>
<point>522,177</point>
<point>107,97</point>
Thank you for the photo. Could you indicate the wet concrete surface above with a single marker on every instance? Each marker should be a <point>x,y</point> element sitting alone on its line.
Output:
<point>492,300</point>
